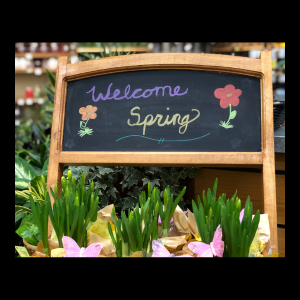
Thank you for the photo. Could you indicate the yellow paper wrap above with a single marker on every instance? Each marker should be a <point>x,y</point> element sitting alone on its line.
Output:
<point>98,231</point>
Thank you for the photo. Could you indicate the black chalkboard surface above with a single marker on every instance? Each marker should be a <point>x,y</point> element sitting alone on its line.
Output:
<point>163,111</point>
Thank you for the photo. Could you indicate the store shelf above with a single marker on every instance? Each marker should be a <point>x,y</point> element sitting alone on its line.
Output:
<point>44,55</point>
<point>31,71</point>
<point>238,47</point>
<point>243,47</point>
<point>119,49</point>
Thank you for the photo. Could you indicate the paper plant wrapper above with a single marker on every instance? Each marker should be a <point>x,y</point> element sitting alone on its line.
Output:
<point>40,248</point>
<point>181,221</point>
<point>185,252</point>
<point>261,241</point>
<point>99,227</point>
<point>59,252</point>
<point>180,226</point>
<point>174,243</point>
<point>264,228</point>
<point>136,254</point>
<point>107,245</point>
<point>105,213</point>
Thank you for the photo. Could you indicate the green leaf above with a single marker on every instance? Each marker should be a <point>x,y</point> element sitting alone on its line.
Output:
<point>23,169</point>
<point>48,89</point>
<point>38,131</point>
<point>19,216</point>
<point>21,183</point>
<point>112,192</point>
<point>227,126</point>
<point>26,234</point>
<point>35,158</point>
<point>153,182</point>
<point>76,172</point>
<point>91,176</point>
<point>101,185</point>
<point>45,167</point>
<point>232,114</point>
<point>43,149</point>
<point>130,203</point>
<point>103,171</point>
<point>136,192</point>
<point>51,98</point>
<point>131,180</point>
<point>51,77</point>
<point>126,171</point>
<point>103,202</point>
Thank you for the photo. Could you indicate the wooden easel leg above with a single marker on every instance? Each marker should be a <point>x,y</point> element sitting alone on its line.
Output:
<point>268,168</point>
<point>55,169</point>
<point>54,176</point>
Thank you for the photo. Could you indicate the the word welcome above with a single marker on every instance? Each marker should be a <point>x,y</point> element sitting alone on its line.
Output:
<point>147,93</point>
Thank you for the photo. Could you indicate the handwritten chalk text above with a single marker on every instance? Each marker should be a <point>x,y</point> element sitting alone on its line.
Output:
<point>149,120</point>
<point>147,93</point>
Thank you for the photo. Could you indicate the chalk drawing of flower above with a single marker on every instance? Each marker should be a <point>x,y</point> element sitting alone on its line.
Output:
<point>229,96</point>
<point>70,143</point>
<point>87,113</point>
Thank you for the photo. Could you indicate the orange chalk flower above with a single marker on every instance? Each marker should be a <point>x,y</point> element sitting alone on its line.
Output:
<point>88,112</point>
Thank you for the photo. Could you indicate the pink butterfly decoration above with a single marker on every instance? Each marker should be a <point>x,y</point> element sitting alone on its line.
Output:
<point>73,249</point>
<point>215,248</point>
<point>242,215</point>
<point>160,251</point>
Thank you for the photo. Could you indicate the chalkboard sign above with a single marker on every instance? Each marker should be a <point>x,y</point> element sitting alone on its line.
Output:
<point>163,111</point>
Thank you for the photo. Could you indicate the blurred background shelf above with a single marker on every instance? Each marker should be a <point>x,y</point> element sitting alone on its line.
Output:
<point>244,47</point>
<point>44,55</point>
<point>113,48</point>
<point>31,71</point>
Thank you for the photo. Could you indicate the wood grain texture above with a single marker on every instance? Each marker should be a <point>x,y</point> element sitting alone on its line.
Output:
<point>280,161</point>
<point>246,183</point>
<point>280,198</point>
<point>189,61</point>
<point>268,169</point>
<point>281,242</point>
<point>159,158</point>
<point>55,169</point>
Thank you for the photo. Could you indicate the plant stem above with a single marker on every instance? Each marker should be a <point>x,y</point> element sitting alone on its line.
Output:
<point>144,252</point>
<point>165,232</point>
<point>229,114</point>
<point>84,124</point>
<point>124,249</point>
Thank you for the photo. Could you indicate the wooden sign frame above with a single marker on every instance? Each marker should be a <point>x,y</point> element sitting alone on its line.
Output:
<point>260,68</point>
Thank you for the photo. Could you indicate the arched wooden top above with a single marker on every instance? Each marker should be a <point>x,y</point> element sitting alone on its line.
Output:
<point>188,61</point>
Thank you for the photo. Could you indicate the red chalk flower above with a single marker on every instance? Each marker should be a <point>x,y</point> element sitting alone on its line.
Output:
<point>228,95</point>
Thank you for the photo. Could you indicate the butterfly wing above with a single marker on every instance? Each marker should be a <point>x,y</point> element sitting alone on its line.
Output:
<point>159,250</point>
<point>92,250</point>
<point>71,247</point>
<point>201,249</point>
<point>217,242</point>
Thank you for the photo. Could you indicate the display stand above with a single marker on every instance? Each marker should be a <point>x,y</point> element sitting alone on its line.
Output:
<point>259,68</point>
